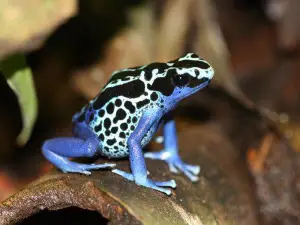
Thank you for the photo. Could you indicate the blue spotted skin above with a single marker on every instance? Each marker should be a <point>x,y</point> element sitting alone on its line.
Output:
<point>125,115</point>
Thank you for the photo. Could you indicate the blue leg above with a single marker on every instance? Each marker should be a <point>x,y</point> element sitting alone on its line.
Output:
<point>58,150</point>
<point>137,161</point>
<point>170,153</point>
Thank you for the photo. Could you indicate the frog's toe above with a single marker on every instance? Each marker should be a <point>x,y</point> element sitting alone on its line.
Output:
<point>162,155</point>
<point>166,191</point>
<point>173,168</point>
<point>85,172</point>
<point>191,171</point>
<point>76,170</point>
<point>175,163</point>
<point>73,167</point>
<point>124,174</point>
<point>170,183</point>
<point>98,166</point>
<point>156,185</point>
<point>192,177</point>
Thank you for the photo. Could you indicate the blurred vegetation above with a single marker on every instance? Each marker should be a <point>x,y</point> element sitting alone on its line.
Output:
<point>19,78</point>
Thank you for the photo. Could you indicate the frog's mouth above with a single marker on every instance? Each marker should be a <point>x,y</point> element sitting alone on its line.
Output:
<point>182,93</point>
<point>187,91</point>
<point>199,87</point>
<point>201,83</point>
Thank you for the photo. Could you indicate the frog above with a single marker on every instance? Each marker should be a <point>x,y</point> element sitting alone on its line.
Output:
<point>122,119</point>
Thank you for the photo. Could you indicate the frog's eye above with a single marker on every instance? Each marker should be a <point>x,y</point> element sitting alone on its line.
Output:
<point>189,64</point>
<point>181,80</point>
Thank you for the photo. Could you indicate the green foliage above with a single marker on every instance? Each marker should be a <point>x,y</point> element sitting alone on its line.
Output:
<point>19,78</point>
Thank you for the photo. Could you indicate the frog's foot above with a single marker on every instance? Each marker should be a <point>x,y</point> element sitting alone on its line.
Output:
<point>156,185</point>
<point>74,167</point>
<point>175,163</point>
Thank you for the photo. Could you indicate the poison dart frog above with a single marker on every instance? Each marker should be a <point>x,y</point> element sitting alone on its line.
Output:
<point>125,115</point>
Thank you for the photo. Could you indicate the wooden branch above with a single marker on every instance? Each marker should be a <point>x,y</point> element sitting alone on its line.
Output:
<point>221,196</point>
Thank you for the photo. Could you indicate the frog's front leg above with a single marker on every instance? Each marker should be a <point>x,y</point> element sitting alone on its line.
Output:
<point>58,150</point>
<point>137,161</point>
<point>170,153</point>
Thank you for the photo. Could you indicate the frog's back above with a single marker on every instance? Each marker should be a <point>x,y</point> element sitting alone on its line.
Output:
<point>114,114</point>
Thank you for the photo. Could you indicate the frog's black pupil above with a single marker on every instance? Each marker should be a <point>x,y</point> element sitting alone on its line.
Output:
<point>181,80</point>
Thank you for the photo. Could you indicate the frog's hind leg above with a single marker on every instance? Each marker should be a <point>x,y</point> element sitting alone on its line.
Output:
<point>58,150</point>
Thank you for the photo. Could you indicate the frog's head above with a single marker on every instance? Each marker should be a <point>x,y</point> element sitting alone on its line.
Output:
<point>171,81</point>
<point>183,77</point>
